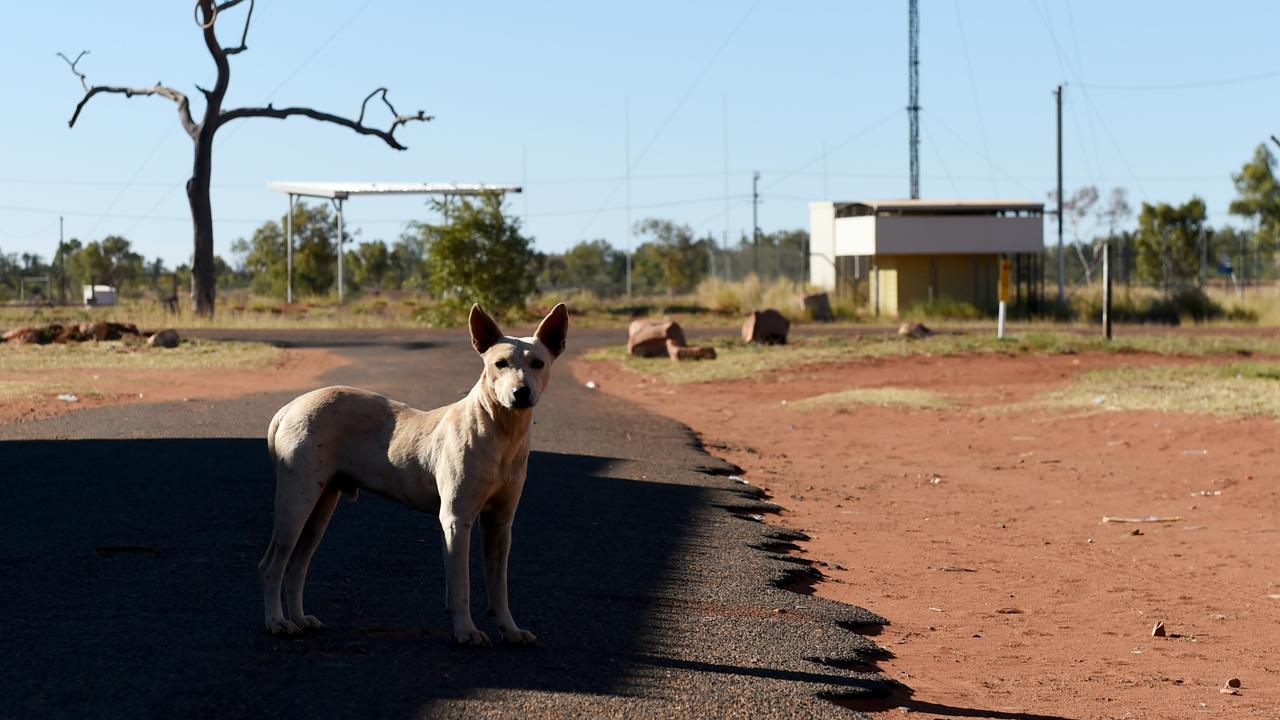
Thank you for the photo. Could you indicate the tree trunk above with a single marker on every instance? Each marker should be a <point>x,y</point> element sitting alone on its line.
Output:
<point>203,278</point>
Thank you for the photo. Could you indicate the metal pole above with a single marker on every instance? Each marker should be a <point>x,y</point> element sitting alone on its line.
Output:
<point>62,262</point>
<point>340,253</point>
<point>1106,288</point>
<point>755,214</point>
<point>1062,257</point>
<point>288,253</point>
<point>626,146</point>
<point>913,92</point>
<point>725,238</point>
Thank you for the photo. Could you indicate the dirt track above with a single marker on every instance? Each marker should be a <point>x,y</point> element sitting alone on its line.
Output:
<point>977,533</point>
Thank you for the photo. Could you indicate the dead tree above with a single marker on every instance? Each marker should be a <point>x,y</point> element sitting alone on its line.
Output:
<point>208,13</point>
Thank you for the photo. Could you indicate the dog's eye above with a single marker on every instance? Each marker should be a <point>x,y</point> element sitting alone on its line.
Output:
<point>501,364</point>
<point>536,364</point>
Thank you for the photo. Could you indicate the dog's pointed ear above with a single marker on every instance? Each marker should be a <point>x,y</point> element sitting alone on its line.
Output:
<point>554,329</point>
<point>484,331</point>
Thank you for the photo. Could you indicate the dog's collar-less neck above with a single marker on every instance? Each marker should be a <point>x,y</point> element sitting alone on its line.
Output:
<point>501,415</point>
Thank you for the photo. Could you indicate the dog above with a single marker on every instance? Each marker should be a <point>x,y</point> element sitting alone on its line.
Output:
<point>464,462</point>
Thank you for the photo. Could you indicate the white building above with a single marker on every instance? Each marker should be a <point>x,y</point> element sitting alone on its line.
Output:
<point>892,254</point>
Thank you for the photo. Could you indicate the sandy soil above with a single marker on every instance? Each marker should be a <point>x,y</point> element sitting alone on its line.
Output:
<point>298,368</point>
<point>978,533</point>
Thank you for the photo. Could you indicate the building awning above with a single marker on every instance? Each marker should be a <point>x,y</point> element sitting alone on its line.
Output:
<point>936,207</point>
<point>343,190</point>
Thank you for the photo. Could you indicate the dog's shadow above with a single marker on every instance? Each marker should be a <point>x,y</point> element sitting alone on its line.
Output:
<point>131,568</point>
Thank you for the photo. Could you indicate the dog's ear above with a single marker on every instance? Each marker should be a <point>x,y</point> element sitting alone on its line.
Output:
<point>554,328</point>
<point>484,331</point>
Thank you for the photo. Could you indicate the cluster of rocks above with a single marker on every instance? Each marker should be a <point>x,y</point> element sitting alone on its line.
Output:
<point>654,338</point>
<point>84,332</point>
<point>650,337</point>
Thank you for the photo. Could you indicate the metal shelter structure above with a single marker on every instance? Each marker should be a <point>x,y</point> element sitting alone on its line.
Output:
<point>339,192</point>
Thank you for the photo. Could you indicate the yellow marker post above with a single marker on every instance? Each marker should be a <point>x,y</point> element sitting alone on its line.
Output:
<point>1006,270</point>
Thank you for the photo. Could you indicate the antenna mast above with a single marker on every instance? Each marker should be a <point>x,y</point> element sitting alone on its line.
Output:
<point>913,102</point>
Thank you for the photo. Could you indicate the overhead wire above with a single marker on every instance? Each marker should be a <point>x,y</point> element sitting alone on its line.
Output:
<point>674,110</point>
<point>977,104</point>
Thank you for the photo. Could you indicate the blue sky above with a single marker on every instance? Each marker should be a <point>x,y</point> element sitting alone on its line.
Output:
<point>534,94</point>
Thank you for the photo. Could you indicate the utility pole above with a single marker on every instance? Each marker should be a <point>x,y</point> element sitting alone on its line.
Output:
<point>1106,288</point>
<point>913,93</point>
<point>724,239</point>
<point>1062,257</point>
<point>626,130</point>
<point>62,265</point>
<point>755,222</point>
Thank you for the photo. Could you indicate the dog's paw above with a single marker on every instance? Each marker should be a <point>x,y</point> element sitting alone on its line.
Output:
<point>310,622</point>
<point>472,637</point>
<point>281,626</point>
<point>519,637</point>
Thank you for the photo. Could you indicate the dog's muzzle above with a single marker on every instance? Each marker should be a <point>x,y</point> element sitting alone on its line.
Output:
<point>523,397</point>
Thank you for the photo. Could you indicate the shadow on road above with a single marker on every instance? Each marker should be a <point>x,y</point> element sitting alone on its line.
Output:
<point>131,588</point>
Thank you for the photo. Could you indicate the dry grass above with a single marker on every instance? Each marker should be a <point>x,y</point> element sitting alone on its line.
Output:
<point>120,355</point>
<point>883,397</point>
<point>740,360</point>
<point>1233,389</point>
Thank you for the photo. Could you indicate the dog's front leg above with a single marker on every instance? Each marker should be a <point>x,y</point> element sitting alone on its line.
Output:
<point>457,540</point>
<point>496,531</point>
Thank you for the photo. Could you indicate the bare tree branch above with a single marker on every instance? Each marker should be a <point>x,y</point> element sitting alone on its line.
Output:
<point>387,136</point>
<point>244,34</point>
<point>1275,140</point>
<point>184,105</point>
<point>84,82</point>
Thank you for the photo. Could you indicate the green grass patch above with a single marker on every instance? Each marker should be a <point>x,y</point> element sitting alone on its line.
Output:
<point>741,360</point>
<point>1235,389</point>
<point>883,396</point>
<point>120,355</point>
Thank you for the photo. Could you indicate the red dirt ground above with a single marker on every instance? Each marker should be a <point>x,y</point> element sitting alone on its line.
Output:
<point>977,532</point>
<point>298,368</point>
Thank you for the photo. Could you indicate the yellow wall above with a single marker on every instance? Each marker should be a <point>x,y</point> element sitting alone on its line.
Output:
<point>906,280</point>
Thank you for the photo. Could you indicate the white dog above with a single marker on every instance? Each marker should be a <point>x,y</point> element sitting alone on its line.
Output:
<point>463,462</point>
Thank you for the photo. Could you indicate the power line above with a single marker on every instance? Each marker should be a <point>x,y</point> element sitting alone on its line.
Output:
<point>1189,85</point>
<point>679,104</point>
<point>977,104</point>
<point>945,170</point>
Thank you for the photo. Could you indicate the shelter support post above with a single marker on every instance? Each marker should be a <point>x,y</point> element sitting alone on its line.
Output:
<point>338,202</point>
<point>288,253</point>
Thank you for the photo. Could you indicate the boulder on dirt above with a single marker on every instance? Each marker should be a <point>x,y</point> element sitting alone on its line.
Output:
<point>24,334</point>
<point>647,337</point>
<point>818,307</point>
<point>914,330</point>
<point>767,327</point>
<point>165,339</point>
<point>680,353</point>
<point>103,330</point>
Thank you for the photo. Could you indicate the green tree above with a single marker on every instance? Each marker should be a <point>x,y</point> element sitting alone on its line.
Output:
<point>110,261</point>
<point>478,255</point>
<point>590,265</point>
<point>314,260</point>
<point>673,260</point>
<point>370,265</point>
<point>1258,199</point>
<point>1168,242</point>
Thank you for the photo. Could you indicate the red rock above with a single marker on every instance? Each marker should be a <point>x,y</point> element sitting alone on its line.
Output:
<point>648,337</point>
<point>767,327</point>
<point>679,353</point>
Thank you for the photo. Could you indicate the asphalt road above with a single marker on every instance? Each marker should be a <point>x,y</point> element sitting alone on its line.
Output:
<point>130,536</point>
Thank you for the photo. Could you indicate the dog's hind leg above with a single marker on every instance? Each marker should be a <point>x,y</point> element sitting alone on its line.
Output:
<point>496,531</point>
<point>295,577</point>
<point>296,495</point>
